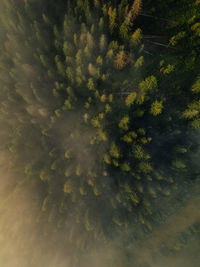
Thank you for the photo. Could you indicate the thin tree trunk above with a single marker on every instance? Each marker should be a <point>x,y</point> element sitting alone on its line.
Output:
<point>156,43</point>
<point>150,16</point>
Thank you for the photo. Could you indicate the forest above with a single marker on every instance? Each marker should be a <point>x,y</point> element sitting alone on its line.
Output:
<point>99,133</point>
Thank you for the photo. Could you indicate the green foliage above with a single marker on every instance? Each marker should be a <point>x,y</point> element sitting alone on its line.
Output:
<point>124,123</point>
<point>90,84</point>
<point>129,137</point>
<point>138,152</point>
<point>148,84</point>
<point>45,175</point>
<point>136,38</point>
<point>174,40</point>
<point>169,69</point>
<point>96,123</point>
<point>88,225</point>
<point>67,187</point>
<point>196,28</point>
<point>196,86</point>
<point>156,108</point>
<point>124,31</point>
<point>114,151</point>
<point>139,62</point>
<point>130,99</point>
<point>107,159</point>
<point>112,19</point>
<point>125,167</point>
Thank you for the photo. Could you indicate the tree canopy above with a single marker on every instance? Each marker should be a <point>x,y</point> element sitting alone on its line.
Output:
<point>100,118</point>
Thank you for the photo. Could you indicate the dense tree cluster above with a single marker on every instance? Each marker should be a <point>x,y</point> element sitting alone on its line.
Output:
<point>100,113</point>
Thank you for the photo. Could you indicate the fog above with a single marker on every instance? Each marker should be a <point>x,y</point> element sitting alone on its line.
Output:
<point>23,242</point>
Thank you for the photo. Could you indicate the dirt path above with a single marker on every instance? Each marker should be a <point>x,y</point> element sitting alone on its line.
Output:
<point>167,232</point>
